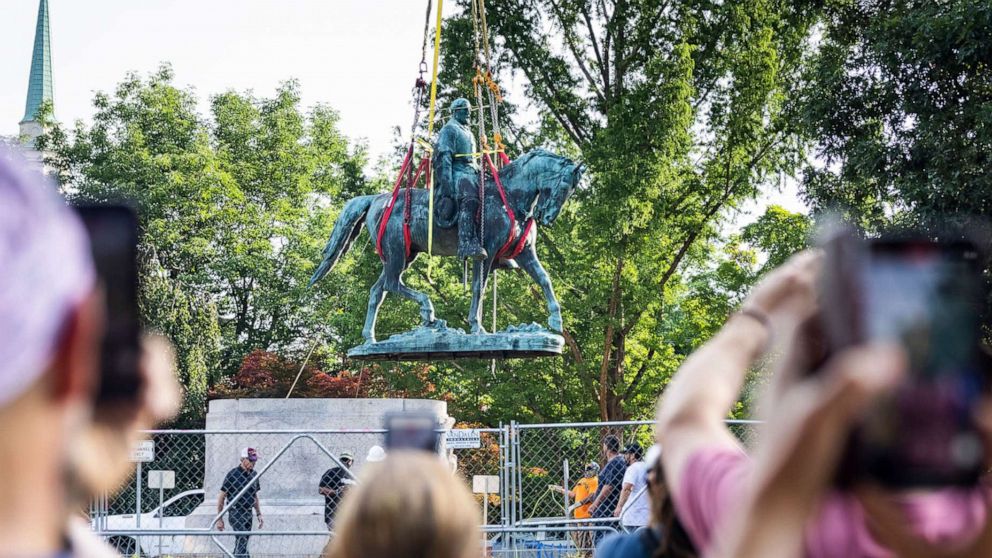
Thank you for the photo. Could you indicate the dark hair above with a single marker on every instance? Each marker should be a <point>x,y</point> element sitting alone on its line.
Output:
<point>675,542</point>
<point>635,450</point>
<point>612,443</point>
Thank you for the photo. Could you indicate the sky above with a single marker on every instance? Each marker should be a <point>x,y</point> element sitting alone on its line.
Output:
<point>361,57</point>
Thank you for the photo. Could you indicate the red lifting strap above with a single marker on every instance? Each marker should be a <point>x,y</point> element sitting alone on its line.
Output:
<point>389,207</point>
<point>522,240</point>
<point>503,251</point>
<point>422,168</point>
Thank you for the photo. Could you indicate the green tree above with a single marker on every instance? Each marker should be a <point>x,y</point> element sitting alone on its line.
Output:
<point>192,327</point>
<point>679,109</point>
<point>898,104</point>
<point>233,209</point>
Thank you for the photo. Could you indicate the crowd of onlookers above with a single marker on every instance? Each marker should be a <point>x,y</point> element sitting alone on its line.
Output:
<point>697,492</point>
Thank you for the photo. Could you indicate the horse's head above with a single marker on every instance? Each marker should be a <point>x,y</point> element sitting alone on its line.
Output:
<point>555,178</point>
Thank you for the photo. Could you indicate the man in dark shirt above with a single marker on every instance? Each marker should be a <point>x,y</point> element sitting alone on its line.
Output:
<point>332,486</point>
<point>610,479</point>
<point>239,514</point>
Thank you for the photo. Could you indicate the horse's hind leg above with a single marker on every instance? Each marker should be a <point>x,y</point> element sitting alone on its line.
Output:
<point>480,275</point>
<point>376,295</point>
<point>426,306</point>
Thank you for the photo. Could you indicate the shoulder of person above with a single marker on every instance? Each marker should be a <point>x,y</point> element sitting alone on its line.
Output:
<point>622,545</point>
<point>86,543</point>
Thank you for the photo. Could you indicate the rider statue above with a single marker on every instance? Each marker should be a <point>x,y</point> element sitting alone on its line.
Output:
<point>457,174</point>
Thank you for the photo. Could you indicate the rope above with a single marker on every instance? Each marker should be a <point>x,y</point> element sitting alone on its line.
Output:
<point>483,144</point>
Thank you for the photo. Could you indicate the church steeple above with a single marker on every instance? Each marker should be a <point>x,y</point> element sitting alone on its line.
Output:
<point>40,82</point>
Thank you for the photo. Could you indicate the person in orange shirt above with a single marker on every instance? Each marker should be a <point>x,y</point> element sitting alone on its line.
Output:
<point>584,492</point>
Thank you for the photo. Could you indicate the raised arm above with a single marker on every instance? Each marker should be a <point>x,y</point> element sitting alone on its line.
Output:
<point>697,401</point>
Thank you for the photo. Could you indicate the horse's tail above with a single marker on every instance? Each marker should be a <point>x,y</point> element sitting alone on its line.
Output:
<point>346,230</point>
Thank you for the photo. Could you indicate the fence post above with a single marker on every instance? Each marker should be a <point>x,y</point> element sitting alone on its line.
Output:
<point>518,513</point>
<point>503,467</point>
<point>137,504</point>
<point>564,474</point>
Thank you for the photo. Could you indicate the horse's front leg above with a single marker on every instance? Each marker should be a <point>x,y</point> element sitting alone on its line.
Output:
<point>479,268</point>
<point>529,262</point>
<point>376,296</point>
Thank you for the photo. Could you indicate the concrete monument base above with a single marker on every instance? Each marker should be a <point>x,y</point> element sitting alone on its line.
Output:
<point>290,465</point>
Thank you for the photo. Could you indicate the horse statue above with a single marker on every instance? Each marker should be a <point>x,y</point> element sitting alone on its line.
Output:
<point>536,185</point>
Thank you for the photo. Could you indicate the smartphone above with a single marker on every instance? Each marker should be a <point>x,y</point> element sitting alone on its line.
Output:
<point>412,431</point>
<point>113,234</point>
<point>927,296</point>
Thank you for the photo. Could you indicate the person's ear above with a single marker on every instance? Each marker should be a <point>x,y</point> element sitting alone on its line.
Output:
<point>75,368</point>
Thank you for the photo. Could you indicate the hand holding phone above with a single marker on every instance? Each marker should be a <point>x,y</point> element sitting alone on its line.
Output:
<point>113,233</point>
<point>926,297</point>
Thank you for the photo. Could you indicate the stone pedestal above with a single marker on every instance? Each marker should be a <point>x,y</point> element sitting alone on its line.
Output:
<point>290,466</point>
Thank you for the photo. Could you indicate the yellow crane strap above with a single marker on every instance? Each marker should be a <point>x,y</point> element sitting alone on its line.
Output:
<point>430,135</point>
<point>480,153</point>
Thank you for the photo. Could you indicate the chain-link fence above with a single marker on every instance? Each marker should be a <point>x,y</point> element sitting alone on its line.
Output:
<point>170,506</point>
<point>179,476</point>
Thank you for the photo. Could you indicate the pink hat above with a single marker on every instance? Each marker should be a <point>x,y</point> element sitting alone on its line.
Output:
<point>45,272</point>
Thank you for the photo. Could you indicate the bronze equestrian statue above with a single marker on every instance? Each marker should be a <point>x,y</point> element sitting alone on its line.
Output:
<point>537,185</point>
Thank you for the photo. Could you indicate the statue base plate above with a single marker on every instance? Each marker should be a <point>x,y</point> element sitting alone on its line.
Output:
<point>439,342</point>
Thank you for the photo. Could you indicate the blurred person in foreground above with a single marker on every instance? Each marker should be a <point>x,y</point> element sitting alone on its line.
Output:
<point>582,493</point>
<point>781,502</point>
<point>633,507</point>
<point>407,506</point>
<point>663,536</point>
<point>50,339</point>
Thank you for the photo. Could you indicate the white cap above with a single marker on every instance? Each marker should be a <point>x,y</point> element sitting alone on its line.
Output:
<point>376,453</point>
<point>251,454</point>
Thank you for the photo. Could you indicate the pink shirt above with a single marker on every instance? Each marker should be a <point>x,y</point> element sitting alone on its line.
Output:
<point>714,478</point>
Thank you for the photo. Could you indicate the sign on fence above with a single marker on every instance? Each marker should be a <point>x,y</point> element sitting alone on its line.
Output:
<point>485,484</point>
<point>143,451</point>
<point>162,479</point>
<point>464,439</point>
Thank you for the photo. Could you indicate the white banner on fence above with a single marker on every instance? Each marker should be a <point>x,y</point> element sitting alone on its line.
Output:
<point>464,438</point>
<point>143,451</point>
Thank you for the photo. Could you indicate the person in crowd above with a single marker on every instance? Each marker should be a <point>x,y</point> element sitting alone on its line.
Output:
<point>407,506</point>
<point>664,536</point>
<point>50,340</point>
<point>610,479</point>
<point>781,502</point>
<point>332,486</point>
<point>241,478</point>
<point>633,508</point>
<point>582,494</point>
<point>49,347</point>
